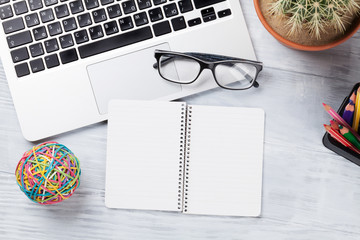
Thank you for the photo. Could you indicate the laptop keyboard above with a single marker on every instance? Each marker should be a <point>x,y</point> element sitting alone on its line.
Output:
<point>43,34</point>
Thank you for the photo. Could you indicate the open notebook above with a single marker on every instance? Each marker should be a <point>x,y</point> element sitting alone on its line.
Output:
<point>177,157</point>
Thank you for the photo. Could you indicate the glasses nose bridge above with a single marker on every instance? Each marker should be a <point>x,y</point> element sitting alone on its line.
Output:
<point>207,65</point>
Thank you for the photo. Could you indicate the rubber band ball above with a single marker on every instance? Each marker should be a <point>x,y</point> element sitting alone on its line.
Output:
<point>48,173</point>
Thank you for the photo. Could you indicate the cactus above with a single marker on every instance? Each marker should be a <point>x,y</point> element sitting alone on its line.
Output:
<point>314,15</point>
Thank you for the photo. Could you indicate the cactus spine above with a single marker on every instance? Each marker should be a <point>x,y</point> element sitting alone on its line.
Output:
<point>314,15</point>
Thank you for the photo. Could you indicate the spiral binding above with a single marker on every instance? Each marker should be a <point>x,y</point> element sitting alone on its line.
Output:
<point>187,158</point>
<point>182,155</point>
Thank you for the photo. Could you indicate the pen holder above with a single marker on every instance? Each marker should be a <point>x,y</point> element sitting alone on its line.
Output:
<point>337,147</point>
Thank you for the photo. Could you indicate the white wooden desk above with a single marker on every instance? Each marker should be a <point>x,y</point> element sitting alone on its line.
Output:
<point>308,191</point>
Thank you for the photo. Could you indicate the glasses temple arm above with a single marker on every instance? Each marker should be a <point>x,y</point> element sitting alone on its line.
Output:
<point>208,57</point>
<point>205,57</point>
<point>213,57</point>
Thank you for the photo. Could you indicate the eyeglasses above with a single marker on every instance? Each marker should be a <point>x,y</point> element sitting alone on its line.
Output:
<point>229,73</point>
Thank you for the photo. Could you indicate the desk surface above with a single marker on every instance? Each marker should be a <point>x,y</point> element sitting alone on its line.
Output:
<point>308,191</point>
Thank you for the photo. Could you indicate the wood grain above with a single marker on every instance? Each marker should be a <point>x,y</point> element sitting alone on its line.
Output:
<point>308,192</point>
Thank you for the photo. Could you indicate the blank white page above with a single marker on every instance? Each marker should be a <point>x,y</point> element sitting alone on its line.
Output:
<point>225,161</point>
<point>142,167</point>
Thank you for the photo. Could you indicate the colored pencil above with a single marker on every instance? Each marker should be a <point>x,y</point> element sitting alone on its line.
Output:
<point>352,98</point>
<point>355,124</point>
<point>340,120</point>
<point>349,136</point>
<point>334,125</point>
<point>349,109</point>
<point>341,139</point>
<point>349,113</point>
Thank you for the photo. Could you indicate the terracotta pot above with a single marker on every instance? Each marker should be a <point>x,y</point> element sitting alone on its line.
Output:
<point>353,29</point>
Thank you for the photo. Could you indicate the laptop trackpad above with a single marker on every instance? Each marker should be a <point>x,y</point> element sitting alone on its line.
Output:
<point>130,76</point>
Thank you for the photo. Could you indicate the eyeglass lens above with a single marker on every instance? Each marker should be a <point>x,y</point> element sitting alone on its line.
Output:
<point>232,75</point>
<point>235,75</point>
<point>178,69</point>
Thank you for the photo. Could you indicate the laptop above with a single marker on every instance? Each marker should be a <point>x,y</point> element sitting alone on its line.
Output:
<point>66,59</point>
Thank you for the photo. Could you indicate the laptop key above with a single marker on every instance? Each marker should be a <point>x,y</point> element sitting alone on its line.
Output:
<point>51,45</point>
<point>35,4</point>
<point>61,11</point>
<point>126,23</point>
<point>69,24</point>
<point>13,25</point>
<point>54,28</point>
<point>36,50</point>
<point>66,41</point>
<point>105,2</point>
<point>84,19</point>
<point>20,7</point>
<point>52,61</point>
<point>170,10</point>
<point>161,28</point>
<point>96,32</point>
<point>111,28</point>
<point>22,69</point>
<point>99,15</point>
<point>185,6</point>
<point>144,4</point>
<point>47,15</point>
<point>158,2</point>
<point>39,33</point>
<point>114,11</point>
<point>50,2</point>
<point>141,19</point>
<point>68,56</point>
<point>32,20</point>
<point>205,3</point>
<point>6,12</point>
<point>194,22</point>
<point>4,1</point>
<point>224,13</point>
<point>81,36</point>
<point>19,55</point>
<point>37,65</point>
<point>178,23</point>
<point>19,39</point>
<point>76,6</point>
<point>208,14</point>
<point>155,14</point>
<point>129,6</point>
<point>115,42</point>
<point>90,4</point>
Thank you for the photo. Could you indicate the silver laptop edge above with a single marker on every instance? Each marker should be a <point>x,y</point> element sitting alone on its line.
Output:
<point>62,98</point>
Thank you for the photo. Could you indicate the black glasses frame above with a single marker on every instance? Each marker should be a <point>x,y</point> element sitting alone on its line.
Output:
<point>208,61</point>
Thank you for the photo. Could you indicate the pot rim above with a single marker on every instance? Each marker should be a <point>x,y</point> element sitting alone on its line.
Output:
<point>354,28</point>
